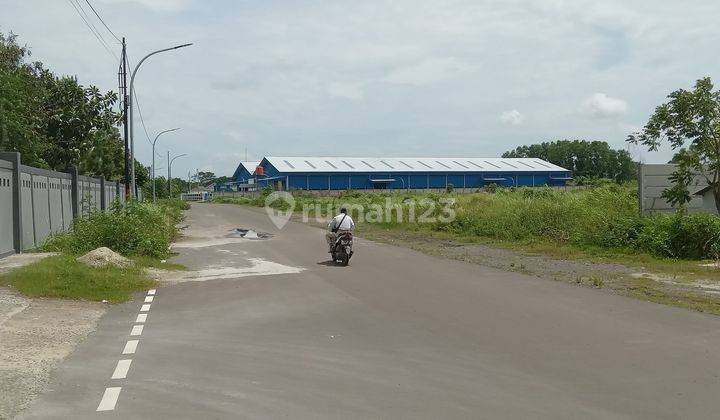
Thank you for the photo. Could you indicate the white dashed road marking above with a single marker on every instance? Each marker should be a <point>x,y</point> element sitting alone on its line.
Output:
<point>121,370</point>
<point>109,399</point>
<point>130,347</point>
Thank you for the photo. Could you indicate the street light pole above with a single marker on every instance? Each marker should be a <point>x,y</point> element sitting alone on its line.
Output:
<point>170,161</point>
<point>131,103</point>
<point>153,160</point>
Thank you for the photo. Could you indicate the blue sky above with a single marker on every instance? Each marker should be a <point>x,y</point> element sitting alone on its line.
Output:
<point>396,78</point>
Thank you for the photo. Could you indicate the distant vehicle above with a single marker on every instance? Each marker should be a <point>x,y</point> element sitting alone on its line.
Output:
<point>343,248</point>
<point>196,196</point>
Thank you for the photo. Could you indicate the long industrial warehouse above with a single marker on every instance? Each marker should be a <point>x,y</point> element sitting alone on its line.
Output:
<point>344,173</point>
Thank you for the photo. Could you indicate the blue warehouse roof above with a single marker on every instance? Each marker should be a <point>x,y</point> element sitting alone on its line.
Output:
<point>247,166</point>
<point>424,164</point>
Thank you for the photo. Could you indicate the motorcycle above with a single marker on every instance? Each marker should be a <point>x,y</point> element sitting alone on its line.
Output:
<point>343,248</point>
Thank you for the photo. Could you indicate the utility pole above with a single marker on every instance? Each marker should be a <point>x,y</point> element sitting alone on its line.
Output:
<point>153,159</point>
<point>170,161</point>
<point>131,102</point>
<point>124,98</point>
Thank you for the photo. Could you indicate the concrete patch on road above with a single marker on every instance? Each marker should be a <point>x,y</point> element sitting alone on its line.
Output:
<point>207,242</point>
<point>256,267</point>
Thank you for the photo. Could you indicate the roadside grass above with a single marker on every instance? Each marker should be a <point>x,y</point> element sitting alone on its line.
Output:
<point>678,269</point>
<point>63,277</point>
<point>676,290</point>
<point>139,231</point>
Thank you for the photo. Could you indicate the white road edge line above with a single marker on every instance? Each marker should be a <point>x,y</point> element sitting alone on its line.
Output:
<point>145,307</point>
<point>121,370</point>
<point>130,347</point>
<point>151,292</point>
<point>136,330</point>
<point>149,299</point>
<point>109,399</point>
<point>141,318</point>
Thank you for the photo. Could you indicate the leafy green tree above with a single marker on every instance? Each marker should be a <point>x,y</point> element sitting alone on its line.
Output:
<point>690,123</point>
<point>586,159</point>
<point>161,188</point>
<point>205,178</point>
<point>55,122</point>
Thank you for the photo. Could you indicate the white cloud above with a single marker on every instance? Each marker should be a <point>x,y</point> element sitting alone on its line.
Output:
<point>603,106</point>
<point>407,72</point>
<point>513,117</point>
<point>157,5</point>
<point>427,71</point>
<point>351,91</point>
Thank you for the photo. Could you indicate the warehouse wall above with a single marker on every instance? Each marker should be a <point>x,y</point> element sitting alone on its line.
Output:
<point>36,202</point>
<point>344,181</point>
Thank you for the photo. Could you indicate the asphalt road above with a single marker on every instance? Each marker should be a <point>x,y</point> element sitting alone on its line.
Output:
<point>396,335</point>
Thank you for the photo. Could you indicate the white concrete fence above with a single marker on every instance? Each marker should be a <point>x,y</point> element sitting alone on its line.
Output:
<point>36,202</point>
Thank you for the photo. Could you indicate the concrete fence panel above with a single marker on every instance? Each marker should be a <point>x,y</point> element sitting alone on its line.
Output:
<point>7,180</point>
<point>66,198</point>
<point>35,203</point>
<point>653,179</point>
<point>41,208</point>
<point>28,228</point>
<point>55,196</point>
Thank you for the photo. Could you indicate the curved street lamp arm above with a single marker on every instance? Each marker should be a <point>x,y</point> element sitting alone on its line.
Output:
<point>163,132</point>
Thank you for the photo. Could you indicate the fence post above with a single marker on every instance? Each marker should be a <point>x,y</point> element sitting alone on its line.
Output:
<point>117,191</point>
<point>74,192</point>
<point>641,192</point>
<point>103,203</point>
<point>14,157</point>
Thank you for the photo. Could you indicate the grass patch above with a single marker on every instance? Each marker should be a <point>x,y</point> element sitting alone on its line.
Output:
<point>63,277</point>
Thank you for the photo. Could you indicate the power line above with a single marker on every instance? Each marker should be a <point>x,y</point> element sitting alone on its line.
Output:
<point>102,21</point>
<point>91,28</point>
<point>142,122</point>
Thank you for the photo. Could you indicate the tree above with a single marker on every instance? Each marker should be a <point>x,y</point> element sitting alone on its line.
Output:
<point>586,159</point>
<point>205,178</point>
<point>178,186</point>
<point>690,123</point>
<point>55,122</point>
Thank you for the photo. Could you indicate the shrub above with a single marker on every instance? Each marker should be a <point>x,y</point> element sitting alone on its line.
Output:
<point>134,229</point>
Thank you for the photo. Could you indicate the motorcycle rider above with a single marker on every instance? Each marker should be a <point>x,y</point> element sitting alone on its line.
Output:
<point>340,223</point>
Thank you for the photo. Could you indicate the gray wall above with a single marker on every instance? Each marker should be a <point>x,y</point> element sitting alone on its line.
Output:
<point>44,202</point>
<point>6,207</point>
<point>653,179</point>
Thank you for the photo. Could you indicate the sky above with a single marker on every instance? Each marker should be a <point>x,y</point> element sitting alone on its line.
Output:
<point>446,78</point>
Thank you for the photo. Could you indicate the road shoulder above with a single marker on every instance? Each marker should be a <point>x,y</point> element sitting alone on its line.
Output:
<point>35,336</point>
